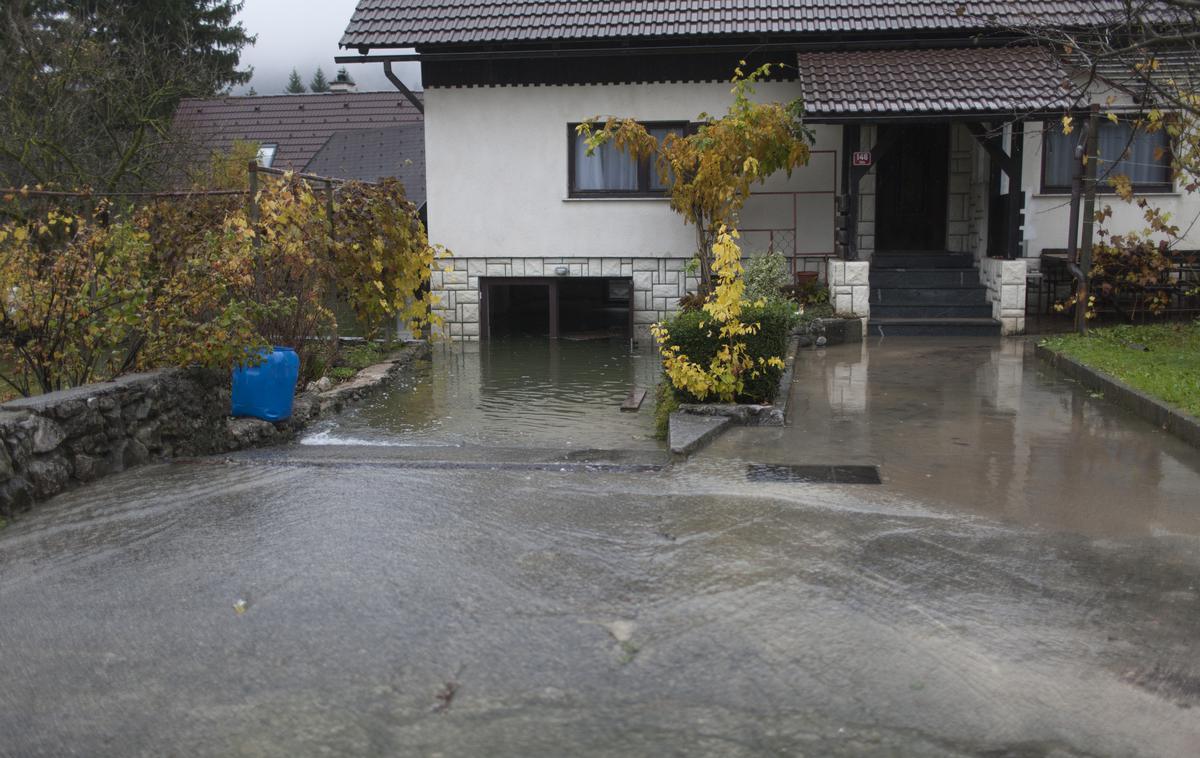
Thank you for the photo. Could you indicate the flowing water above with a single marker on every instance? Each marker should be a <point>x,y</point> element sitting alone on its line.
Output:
<point>519,392</point>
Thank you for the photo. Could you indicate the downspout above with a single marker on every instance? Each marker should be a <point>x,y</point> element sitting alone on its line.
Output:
<point>395,80</point>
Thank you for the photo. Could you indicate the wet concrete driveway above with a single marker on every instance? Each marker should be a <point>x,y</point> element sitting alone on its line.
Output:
<point>1002,597</point>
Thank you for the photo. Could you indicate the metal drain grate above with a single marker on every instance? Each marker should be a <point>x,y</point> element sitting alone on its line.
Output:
<point>769,472</point>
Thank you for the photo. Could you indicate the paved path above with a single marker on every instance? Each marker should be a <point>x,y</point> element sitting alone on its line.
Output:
<point>967,606</point>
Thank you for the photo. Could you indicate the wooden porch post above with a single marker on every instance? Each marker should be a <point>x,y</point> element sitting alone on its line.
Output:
<point>1016,193</point>
<point>848,231</point>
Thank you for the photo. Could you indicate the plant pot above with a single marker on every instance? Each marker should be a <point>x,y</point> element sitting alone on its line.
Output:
<point>266,391</point>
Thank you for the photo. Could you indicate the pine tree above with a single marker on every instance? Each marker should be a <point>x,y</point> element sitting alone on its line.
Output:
<point>344,76</point>
<point>319,83</point>
<point>252,93</point>
<point>295,85</point>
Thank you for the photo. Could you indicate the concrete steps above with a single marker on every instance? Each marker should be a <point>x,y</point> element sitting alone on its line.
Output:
<point>934,327</point>
<point>928,293</point>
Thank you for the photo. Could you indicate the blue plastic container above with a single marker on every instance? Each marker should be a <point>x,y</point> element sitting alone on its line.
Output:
<point>266,391</point>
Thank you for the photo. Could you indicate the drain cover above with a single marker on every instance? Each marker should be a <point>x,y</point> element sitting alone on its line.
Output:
<point>768,472</point>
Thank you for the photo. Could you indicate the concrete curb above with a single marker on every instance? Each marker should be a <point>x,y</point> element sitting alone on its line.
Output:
<point>688,432</point>
<point>1162,415</point>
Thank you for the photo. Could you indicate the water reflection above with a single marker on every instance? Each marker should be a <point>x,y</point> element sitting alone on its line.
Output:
<point>517,392</point>
<point>982,426</point>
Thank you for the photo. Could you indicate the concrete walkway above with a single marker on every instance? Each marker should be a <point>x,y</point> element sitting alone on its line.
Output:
<point>997,595</point>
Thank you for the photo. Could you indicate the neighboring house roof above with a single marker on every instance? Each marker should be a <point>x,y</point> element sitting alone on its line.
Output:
<point>938,80</point>
<point>371,154</point>
<point>299,124</point>
<point>416,23</point>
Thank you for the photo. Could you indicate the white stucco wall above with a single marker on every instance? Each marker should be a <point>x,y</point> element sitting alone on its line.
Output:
<point>497,174</point>
<point>1046,216</point>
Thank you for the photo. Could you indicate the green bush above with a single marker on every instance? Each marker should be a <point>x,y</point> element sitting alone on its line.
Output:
<point>699,343</point>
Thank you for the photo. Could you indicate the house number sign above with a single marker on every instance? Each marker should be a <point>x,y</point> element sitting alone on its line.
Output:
<point>861,158</point>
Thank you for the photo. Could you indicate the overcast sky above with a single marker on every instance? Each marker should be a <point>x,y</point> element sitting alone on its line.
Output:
<point>304,34</point>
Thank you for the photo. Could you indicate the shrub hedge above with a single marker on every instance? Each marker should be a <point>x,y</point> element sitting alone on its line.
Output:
<point>700,343</point>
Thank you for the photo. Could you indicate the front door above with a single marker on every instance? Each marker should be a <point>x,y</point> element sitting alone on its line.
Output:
<point>911,185</point>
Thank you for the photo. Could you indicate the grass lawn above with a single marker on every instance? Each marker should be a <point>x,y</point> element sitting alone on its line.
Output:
<point>1169,370</point>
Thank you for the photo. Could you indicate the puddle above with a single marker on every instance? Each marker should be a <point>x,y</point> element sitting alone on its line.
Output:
<point>518,392</point>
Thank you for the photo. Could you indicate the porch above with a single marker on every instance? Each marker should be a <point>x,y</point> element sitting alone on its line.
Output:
<point>930,228</point>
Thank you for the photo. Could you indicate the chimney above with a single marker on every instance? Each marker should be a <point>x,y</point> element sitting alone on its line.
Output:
<point>342,82</point>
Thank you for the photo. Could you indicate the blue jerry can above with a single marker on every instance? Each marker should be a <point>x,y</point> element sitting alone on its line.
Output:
<point>266,391</point>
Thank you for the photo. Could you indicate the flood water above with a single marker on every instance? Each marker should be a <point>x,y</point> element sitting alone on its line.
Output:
<point>1025,582</point>
<point>516,392</point>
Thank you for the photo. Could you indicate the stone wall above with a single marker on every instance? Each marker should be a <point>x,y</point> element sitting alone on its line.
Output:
<point>51,443</point>
<point>850,288</point>
<point>63,439</point>
<point>1005,280</point>
<point>958,209</point>
<point>658,283</point>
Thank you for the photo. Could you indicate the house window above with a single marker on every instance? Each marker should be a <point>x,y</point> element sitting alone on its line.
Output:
<point>1144,157</point>
<point>266,154</point>
<point>610,171</point>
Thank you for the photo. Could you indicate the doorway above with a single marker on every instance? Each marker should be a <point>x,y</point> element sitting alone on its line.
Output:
<point>911,188</point>
<point>575,308</point>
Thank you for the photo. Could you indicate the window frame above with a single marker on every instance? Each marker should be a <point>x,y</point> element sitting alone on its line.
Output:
<point>645,167</point>
<point>263,148</point>
<point>1102,185</point>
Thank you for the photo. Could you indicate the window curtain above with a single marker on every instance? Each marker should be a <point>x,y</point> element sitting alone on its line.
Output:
<point>1133,154</point>
<point>607,168</point>
<point>1121,152</point>
<point>658,133</point>
<point>1060,157</point>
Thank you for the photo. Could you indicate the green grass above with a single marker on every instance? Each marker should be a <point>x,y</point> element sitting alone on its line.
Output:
<point>1169,370</point>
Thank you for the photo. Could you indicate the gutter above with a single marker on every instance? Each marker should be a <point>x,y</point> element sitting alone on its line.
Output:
<point>748,47</point>
<point>408,94</point>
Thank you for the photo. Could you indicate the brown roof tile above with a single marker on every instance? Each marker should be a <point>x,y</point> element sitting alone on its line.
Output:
<point>299,124</point>
<point>409,23</point>
<point>1003,80</point>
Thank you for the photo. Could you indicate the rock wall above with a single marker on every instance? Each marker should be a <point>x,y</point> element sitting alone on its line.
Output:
<point>61,440</point>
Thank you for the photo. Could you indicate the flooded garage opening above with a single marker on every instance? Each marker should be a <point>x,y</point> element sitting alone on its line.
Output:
<point>557,308</point>
<point>517,310</point>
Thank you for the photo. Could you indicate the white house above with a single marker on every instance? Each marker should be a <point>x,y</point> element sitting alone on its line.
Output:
<point>938,172</point>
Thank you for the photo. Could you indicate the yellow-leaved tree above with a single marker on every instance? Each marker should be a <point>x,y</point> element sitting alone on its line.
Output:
<point>724,376</point>
<point>710,171</point>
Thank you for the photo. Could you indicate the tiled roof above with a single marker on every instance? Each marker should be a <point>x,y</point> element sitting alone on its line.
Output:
<point>299,124</point>
<point>944,81</point>
<point>371,154</point>
<point>408,23</point>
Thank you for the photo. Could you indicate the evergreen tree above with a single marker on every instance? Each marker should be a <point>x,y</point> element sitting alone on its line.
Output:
<point>89,87</point>
<point>344,76</point>
<point>319,83</point>
<point>295,85</point>
<point>252,93</point>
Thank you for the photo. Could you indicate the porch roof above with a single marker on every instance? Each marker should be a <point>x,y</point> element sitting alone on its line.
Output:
<point>933,83</point>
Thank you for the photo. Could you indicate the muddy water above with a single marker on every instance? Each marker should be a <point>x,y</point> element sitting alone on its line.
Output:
<point>1025,582</point>
<point>518,392</point>
<point>981,427</point>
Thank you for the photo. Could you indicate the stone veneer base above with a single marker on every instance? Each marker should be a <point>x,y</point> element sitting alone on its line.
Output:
<point>658,283</point>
